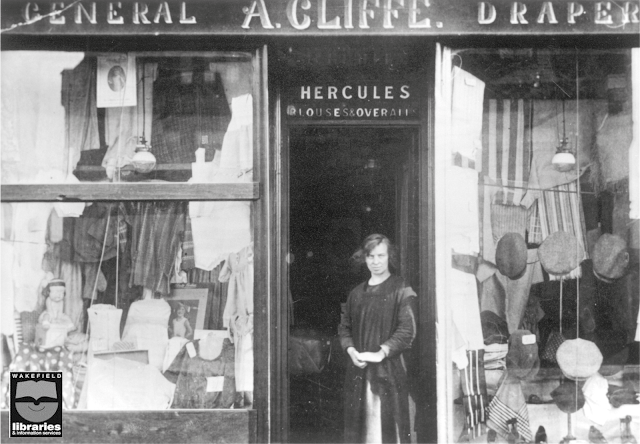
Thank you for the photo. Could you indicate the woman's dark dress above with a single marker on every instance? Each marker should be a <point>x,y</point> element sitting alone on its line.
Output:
<point>376,315</point>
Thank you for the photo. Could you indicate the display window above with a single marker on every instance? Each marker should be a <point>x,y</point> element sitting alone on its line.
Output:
<point>540,244</point>
<point>128,226</point>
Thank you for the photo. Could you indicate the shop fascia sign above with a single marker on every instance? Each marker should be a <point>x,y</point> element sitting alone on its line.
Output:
<point>363,100</point>
<point>331,17</point>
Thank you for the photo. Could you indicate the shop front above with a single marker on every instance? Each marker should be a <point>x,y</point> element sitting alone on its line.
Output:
<point>184,184</point>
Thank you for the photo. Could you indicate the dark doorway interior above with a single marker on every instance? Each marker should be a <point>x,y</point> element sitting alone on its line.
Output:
<point>345,183</point>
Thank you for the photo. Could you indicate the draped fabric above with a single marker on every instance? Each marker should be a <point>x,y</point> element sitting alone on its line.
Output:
<point>506,141</point>
<point>203,383</point>
<point>156,228</point>
<point>79,100</point>
<point>377,315</point>
<point>238,313</point>
<point>560,209</point>
<point>474,388</point>
<point>189,110</point>
<point>507,404</point>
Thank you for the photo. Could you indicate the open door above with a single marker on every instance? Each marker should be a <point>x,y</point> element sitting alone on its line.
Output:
<point>345,183</point>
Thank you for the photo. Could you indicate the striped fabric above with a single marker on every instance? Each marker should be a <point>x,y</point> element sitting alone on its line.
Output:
<point>509,404</point>
<point>560,209</point>
<point>474,387</point>
<point>506,147</point>
<point>188,257</point>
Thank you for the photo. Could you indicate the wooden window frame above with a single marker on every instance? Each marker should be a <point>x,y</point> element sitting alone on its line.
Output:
<point>175,425</point>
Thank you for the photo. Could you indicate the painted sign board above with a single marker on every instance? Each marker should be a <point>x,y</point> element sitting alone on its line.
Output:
<point>320,17</point>
<point>362,100</point>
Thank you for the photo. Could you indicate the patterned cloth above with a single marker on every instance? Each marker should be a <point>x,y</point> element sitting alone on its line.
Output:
<point>474,387</point>
<point>560,209</point>
<point>509,403</point>
<point>155,239</point>
<point>30,358</point>
<point>506,142</point>
<point>188,260</point>
<point>187,115</point>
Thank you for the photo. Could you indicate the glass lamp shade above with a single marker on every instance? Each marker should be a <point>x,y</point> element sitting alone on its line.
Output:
<point>564,161</point>
<point>143,161</point>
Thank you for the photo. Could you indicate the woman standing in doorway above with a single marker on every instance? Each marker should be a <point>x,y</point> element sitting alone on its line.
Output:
<point>377,326</point>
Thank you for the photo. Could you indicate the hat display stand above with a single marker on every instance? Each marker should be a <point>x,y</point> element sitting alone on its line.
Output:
<point>569,437</point>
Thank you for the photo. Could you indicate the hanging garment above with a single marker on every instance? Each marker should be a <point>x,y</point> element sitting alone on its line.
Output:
<point>238,313</point>
<point>466,116</point>
<point>156,228</point>
<point>508,219</point>
<point>188,115</point>
<point>79,100</point>
<point>237,146</point>
<point>474,388</point>
<point>85,237</point>
<point>203,383</point>
<point>463,295</point>
<point>463,224</point>
<point>221,228</point>
<point>506,148</point>
<point>562,211</point>
<point>187,258</point>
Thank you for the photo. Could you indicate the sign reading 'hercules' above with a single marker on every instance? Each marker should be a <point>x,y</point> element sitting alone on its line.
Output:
<point>316,17</point>
<point>353,101</point>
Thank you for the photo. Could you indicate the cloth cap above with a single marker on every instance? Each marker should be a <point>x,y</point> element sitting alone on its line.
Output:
<point>568,397</point>
<point>610,256</point>
<point>558,253</point>
<point>511,255</point>
<point>579,359</point>
<point>522,358</point>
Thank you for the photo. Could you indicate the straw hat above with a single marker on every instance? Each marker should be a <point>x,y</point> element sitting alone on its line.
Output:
<point>558,253</point>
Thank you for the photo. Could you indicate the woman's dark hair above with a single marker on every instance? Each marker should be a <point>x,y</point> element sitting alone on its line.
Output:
<point>371,242</point>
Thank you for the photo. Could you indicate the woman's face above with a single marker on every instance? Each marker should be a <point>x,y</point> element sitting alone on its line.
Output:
<point>180,311</point>
<point>378,260</point>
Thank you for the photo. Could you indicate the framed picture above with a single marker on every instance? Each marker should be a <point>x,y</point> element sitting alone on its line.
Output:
<point>116,81</point>
<point>194,302</point>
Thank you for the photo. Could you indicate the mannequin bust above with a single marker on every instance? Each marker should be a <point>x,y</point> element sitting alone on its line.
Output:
<point>53,323</point>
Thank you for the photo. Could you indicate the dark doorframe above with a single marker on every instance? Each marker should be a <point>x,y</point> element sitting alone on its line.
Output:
<point>278,191</point>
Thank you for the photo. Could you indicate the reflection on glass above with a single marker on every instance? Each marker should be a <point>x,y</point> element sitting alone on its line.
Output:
<point>70,117</point>
<point>142,305</point>
<point>550,242</point>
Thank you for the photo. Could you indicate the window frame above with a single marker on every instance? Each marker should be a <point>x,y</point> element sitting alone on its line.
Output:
<point>229,425</point>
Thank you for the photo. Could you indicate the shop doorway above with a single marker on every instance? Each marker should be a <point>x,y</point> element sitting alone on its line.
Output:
<point>344,184</point>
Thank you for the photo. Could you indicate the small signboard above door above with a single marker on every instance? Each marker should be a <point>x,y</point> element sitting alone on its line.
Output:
<point>362,100</point>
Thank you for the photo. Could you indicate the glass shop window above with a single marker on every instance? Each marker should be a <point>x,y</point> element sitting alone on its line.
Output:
<point>142,304</point>
<point>545,236</point>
